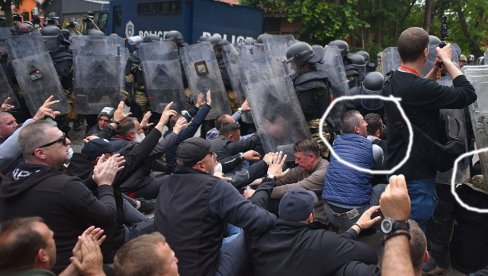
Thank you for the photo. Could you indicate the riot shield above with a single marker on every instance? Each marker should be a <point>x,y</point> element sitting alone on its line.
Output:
<point>333,64</point>
<point>276,45</point>
<point>390,60</point>
<point>429,63</point>
<point>275,108</point>
<point>231,58</point>
<point>478,76</point>
<point>6,90</point>
<point>203,74</point>
<point>162,74</point>
<point>35,72</point>
<point>456,126</point>
<point>5,33</point>
<point>99,67</point>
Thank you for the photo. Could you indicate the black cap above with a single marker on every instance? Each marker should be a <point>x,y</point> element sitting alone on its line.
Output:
<point>99,146</point>
<point>297,204</point>
<point>192,150</point>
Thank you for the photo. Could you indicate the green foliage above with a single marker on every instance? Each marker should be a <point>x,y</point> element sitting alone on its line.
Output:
<point>376,24</point>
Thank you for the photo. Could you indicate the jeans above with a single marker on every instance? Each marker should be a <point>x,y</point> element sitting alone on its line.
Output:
<point>135,223</point>
<point>131,214</point>
<point>232,257</point>
<point>423,195</point>
<point>345,223</point>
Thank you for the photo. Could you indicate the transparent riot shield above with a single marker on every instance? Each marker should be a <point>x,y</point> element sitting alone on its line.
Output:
<point>35,72</point>
<point>231,58</point>
<point>390,60</point>
<point>99,67</point>
<point>276,45</point>
<point>429,63</point>
<point>463,174</point>
<point>333,64</point>
<point>162,74</point>
<point>275,107</point>
<point>6,90</point>
<point>5,33</point>
<point>478,76</point>
<point>203,74</point>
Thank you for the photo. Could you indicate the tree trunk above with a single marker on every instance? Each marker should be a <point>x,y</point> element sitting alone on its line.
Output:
<point>473,46</point>
<point>6,6</point>
<point>427,14</point>
<point>379,23</point>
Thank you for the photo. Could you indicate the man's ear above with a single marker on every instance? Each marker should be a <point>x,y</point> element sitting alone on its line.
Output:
<point>310,218</point>
<point>426,256</point>
<point>42,256</point>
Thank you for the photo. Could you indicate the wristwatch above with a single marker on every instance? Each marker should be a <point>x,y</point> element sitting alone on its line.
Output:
<point>388,225</point>
<point>271,176</point>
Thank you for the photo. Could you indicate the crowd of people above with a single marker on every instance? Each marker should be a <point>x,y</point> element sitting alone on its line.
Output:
<point>222,203</point>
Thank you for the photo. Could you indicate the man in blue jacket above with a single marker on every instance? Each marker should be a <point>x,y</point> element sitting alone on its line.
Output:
<point>348,192</point>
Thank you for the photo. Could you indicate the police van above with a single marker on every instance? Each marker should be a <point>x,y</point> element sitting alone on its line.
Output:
<point>193,18</point>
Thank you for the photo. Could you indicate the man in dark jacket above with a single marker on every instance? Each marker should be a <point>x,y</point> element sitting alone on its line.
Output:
<point>39,188</point>
<point>231,150</point>
<point>298,246</point>
<point>421,99</point>
<point>193,208</point>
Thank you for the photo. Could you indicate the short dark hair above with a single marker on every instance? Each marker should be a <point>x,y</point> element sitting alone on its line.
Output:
<point>220,121</point>
<point>126,126</point>
<point>307,145</point>
<point>173,119</point>
<point>31,137</point>
<point>228,128</point>
<point>374,122</point>
<point>19,243</point>
<point>412,43</point>
<point>349,120</point>
<point>418,245</point>
<point>137,256</point>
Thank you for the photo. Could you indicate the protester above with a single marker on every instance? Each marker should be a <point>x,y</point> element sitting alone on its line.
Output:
<point>316,250</point>
<point>38,188</point>
<point>27,247</point>
<point>395,204</point>
<point>422,98</point>
<point>148,254</point>
<point>192,193</point>
<point>9,150</point>
<point>348,192</point>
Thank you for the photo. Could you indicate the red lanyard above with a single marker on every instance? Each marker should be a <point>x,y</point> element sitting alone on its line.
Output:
<point>409,70</point>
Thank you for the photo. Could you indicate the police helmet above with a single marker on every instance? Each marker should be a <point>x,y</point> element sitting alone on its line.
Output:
<point>174,36</point>
<point>22,28</point>
<point>300,51</point>
<point>372,85</point>
<point>364,54</point>
<point>249,41</point>
<point>204,37</point>
<point>356,59</point>
<point>434,40</point>
<point>151,37</point>
<point>216,38</point>
<point>342,45</point>
<point>260,38</point>
<point>319,54</point>
<point>53,37</point>
<point>463,58</point>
